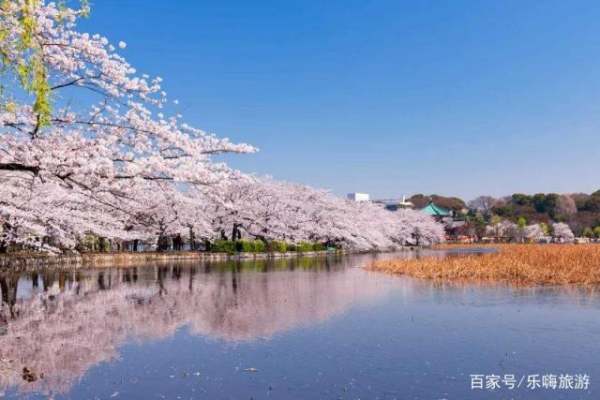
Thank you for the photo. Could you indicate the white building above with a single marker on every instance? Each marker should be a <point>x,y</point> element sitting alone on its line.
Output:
<point>358,196</point>
<point>395,204</point>
<point>405,204</point>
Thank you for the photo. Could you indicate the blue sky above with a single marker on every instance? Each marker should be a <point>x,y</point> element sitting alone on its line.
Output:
<point>385,97</point>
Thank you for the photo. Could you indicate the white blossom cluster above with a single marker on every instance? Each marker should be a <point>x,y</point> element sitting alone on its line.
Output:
<point>115,163</point>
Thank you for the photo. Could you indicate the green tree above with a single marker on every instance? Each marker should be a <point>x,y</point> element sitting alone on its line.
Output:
<point>521,199</point>
<point>25,60</point>
<point>588,232</point>
<point>593,203</point>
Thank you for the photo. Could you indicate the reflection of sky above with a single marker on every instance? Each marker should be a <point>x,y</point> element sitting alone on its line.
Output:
<point>342,337</point>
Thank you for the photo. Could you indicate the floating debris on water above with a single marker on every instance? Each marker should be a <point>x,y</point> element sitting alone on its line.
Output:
<point>29,375</point>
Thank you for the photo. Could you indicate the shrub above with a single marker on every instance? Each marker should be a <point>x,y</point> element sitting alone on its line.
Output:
<point>245,246</point>
<point>319,247</point>
<point>259,246</point>
<point>277,246</point>
<point>304,246</point>
<point>291,247</point>
<point>223,246</point>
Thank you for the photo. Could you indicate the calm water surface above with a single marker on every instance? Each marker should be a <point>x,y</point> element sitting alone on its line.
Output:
<point>321,328</point>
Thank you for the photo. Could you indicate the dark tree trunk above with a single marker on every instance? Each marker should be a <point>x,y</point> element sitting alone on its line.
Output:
<point>192,239</point>
<point>177,243</point>
<point>101,283</point>
<point>163,243</point>
<point>8,285</point>
<point>236,234</point>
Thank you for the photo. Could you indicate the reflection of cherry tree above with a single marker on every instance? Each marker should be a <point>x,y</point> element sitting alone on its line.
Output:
<point>80,320</point>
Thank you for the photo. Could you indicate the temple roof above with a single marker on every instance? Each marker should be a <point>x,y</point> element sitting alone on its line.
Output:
<point>435,210</point>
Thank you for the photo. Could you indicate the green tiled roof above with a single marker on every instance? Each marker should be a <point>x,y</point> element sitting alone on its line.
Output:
<point>437,211</point>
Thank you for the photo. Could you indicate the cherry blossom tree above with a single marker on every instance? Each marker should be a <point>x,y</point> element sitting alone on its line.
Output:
<point>562,232</point>
<point>483,204</point>
<point>534,232</point>
<point>102,144</point>
<point>266,209</point>
<point>502,229</point>
<point>89,146</point>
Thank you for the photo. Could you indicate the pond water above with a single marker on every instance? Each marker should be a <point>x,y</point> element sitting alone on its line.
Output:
<point>311,328</point>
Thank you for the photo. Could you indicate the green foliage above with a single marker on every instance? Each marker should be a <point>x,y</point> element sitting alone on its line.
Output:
<point>588,232</point>
<point>597,231</point>
<point>277,246</point>
<point>244,246</point>
<point>477,221</point>
<point>495,219</point>
<point>304,247</point>
<point>506,211</point>
<point>545,228</point>
<point>545,203</point>
<point>522,222</point>
<point>258,246</point>
<point>250,246</point>
<point>89,242</point>
<point>223,246</point>
<point>593,203</point>
<point>521,199</point>
<point>104,245</point>
<point>319,247</point>
<point>29,66</point>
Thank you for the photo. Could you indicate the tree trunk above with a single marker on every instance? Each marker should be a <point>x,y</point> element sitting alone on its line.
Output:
<point>192,239</point>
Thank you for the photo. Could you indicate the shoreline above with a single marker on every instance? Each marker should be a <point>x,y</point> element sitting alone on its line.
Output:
<point>125,259</point>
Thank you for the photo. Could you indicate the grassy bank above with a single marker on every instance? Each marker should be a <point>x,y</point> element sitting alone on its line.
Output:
<point>122,259</point>
<point>523,264</point>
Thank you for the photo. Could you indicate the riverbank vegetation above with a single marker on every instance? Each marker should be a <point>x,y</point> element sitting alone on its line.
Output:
<point>577,213</point>
<point>542,217</point>
<point>522,264</point>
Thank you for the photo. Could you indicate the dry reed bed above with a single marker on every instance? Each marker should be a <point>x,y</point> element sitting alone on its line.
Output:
<point>522,264</point>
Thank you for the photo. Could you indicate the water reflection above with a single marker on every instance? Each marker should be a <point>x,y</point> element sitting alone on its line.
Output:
<point>59,323</point>
<point>313,328</point>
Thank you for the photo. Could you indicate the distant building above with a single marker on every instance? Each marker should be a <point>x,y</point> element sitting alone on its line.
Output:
<point>358,196</point>
<point>393,205</point>
<point>405,203</point>
<point>436,211</point>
